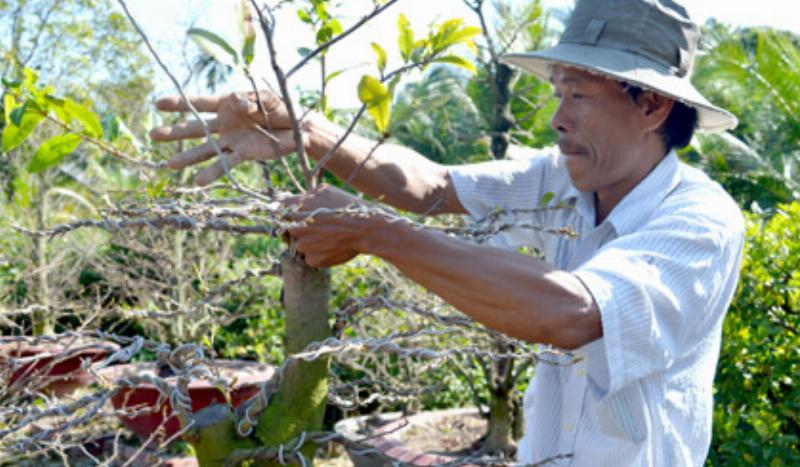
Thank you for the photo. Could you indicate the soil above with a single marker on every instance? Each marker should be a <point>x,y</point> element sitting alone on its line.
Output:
<point>445,435</point>
<point>427,438</point>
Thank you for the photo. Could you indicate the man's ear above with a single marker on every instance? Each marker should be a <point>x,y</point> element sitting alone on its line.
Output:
<point>655,109</point>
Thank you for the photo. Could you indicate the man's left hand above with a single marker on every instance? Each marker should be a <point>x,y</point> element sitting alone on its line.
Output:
<point>328,239</point>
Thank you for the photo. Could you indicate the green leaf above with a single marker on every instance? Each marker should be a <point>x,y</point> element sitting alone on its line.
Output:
<point>546,198</point>
<point>381,56</point>
<point>377,99</point>
<point>87,118</point>
<point>304,16</point>
<point>29,78</point>
<point>322,11</point>
<point>465,36</point>
<point>405,41</point>
<point>215,46</point>
<point>53,150</point>
<point>334,75</point>
<point>11,84</point>
<point>110,124</point>
<point>24,120</point>
<point>16,115</point>
<point>335,26</point>
<point>9,103</point>
<point>458,61</point>
<point>22,189</point>
<point>57,104</point>
<point>247,31</point>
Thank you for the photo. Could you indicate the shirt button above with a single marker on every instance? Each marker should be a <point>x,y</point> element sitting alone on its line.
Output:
<point>580,371</point>
<point>570,427</point>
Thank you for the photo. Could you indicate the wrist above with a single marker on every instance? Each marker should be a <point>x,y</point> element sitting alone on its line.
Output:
<point>319,134</point>
<point>380,234</point>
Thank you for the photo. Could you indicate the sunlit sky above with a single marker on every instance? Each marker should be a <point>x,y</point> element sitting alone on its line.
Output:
<point>166,21</point>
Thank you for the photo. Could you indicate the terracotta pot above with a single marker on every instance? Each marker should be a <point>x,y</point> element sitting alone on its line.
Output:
<point>248,378</point>
<point>384,432</point>
<point>53,368</point>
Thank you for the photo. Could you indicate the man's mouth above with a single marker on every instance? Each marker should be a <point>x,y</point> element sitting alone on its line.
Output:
<point>570,149</point>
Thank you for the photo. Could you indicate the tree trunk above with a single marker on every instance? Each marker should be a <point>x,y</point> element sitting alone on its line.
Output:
<point>503,118</point>
<point>299,404</point>
<point>501,434</point>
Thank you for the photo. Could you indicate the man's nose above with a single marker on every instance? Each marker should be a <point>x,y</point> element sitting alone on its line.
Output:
<point>560,120</point>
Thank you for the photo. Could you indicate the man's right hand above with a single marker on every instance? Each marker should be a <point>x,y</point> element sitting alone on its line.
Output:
<point>240,124</point>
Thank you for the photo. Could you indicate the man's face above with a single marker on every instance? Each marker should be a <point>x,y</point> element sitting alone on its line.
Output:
<point>600,131</point>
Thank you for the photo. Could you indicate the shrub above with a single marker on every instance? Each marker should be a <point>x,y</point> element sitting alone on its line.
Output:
<point>757,411</point>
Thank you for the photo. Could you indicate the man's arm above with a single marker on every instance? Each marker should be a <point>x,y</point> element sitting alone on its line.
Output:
<point>394,174</point>
<point>517,295</point>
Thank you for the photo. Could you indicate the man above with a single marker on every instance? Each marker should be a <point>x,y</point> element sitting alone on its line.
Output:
<point>639,297</point>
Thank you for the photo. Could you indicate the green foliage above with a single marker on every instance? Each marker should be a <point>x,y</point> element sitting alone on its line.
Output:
<point>437,118</point>
<point>39,103</point>
<point>755,73</point>
<point>214,45</point>
<point>377,99</point>
<point>757,411</point>
<point>52,151</point>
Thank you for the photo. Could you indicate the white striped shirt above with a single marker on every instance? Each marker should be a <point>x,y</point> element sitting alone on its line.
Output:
<point>663,269</point>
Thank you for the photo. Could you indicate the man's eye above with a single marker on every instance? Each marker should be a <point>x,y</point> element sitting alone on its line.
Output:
<point>577,96</point>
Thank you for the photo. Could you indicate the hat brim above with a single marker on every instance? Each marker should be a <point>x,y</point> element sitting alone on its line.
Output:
<point>628,67</point>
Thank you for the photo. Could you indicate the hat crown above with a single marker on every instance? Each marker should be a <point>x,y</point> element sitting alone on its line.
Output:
<point>658,30</point>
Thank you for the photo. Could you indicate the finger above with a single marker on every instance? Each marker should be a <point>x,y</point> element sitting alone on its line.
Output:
<point>192,156</point>
<point>200,103</point>
<point>217,169</point>
<point>192,129</point>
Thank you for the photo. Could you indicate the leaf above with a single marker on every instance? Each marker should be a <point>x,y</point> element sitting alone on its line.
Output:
<point>29,78</point>
<point>24,120</point>
<point>381,56</point>
<point>16,115</point>
<point>22,189</point>
<point>214,45</point>
<point>57,105</point>
<point>11,84</point>
<point>304,16</point>
<point>405,41</point>
<point>458,61</point>
<point>9,103</point>
<point>248,32</point>
<point>110,124</point>
<point>377,99</point>
<point>53,150</point>
<point>334,75</point>
<point>87,118</point>
<point>546,198</point>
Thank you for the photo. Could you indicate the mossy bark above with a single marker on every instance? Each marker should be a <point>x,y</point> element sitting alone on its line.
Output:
<point>503,119</point>
<point>299,404</point>
<point>505,423</point>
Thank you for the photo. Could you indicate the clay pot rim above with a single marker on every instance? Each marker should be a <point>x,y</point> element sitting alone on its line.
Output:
<point>78,348</point>
<point>265,373</point>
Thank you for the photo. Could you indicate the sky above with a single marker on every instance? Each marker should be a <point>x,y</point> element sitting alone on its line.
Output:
<point>165,22</point>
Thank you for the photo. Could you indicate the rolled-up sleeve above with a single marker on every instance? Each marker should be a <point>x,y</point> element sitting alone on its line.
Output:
<point>654,287</point>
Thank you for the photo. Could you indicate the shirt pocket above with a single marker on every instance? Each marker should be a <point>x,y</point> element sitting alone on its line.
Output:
<point>624,414</point>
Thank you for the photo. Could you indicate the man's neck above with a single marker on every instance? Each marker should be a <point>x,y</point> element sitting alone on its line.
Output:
<point>606,200</point>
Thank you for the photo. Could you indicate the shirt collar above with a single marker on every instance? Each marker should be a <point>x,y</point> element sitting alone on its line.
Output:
<point>637,205</point>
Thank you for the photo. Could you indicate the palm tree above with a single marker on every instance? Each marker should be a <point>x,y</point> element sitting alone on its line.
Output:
<point>755,73</point>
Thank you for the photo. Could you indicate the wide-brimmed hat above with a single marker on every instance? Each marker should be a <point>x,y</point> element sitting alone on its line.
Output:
<point>647,43</point>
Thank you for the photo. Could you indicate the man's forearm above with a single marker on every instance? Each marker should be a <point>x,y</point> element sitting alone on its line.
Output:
<point>517,295</point>
<point>398,176</point>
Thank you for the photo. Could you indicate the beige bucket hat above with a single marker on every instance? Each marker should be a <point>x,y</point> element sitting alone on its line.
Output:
<point>648,43</point>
